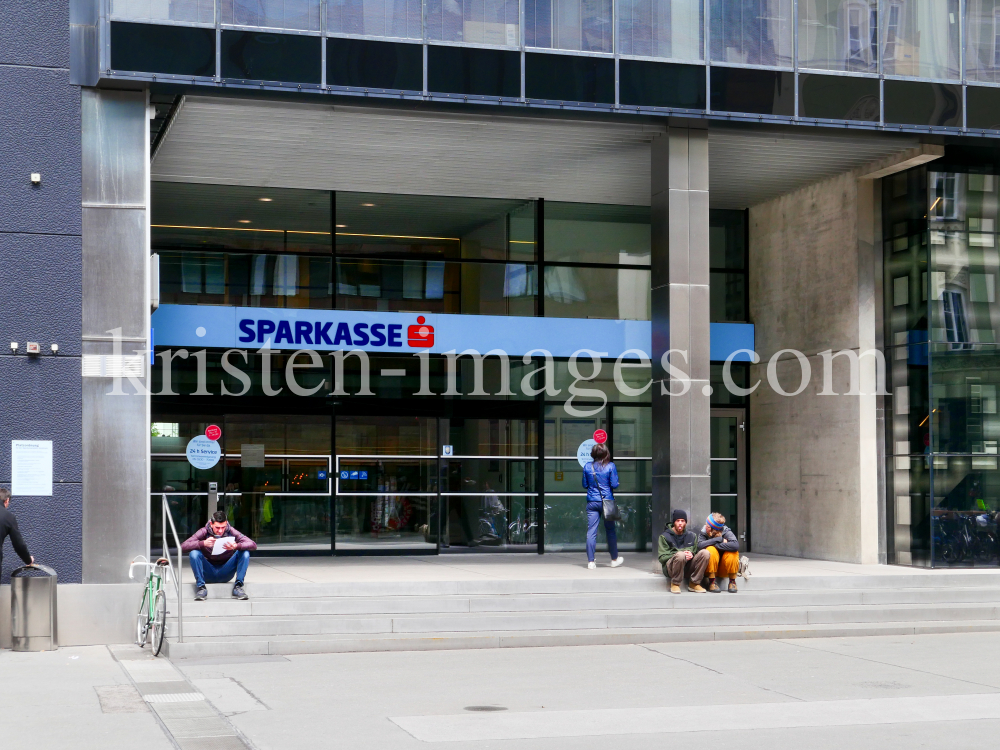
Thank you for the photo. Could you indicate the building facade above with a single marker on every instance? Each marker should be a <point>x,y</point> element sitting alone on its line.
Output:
<point>408,257</point>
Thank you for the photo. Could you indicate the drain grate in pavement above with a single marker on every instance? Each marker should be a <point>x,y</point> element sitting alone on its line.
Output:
<point>485,708</point>
<point>210,743</point>
<point>120,699</point>
<point>173,697</point>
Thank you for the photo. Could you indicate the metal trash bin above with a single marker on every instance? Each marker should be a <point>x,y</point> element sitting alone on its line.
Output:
<point>33,608</point>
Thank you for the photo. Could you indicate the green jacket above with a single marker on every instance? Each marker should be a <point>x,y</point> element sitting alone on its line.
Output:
<point>670,544</point>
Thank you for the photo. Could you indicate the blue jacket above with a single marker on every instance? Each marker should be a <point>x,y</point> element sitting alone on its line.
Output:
<point>606,476</point>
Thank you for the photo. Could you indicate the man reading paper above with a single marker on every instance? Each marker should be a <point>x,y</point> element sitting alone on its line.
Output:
<point>217,552</point>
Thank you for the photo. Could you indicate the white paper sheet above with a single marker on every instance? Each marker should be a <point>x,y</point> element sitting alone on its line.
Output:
<point>220,544</point>
<point>31,468</point>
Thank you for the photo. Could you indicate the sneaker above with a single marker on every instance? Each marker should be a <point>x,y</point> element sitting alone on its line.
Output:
<point>238,592</point>
<point>674,588</point>
<point>732,587</point>
<point>591,565</point>
<point>200,594</point>
<point>696,588</point>
<point>617,561</point>
<point>713,588</point>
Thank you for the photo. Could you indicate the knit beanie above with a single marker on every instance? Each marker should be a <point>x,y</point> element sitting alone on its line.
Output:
<point>678,513</point>
<point>713,524</point>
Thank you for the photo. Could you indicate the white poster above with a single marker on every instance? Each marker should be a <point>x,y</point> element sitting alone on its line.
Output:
<point>31,468</point>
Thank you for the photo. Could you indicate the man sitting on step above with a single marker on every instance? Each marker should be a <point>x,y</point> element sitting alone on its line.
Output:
<point>723,551</point>
<point>678,554</point>
<point>217,552</point>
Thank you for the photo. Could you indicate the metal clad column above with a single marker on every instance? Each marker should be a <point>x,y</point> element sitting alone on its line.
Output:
<point>680,312</point>
<point>115,191</point>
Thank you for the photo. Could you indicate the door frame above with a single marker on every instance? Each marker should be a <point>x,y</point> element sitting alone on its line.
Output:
<point>742,498</point>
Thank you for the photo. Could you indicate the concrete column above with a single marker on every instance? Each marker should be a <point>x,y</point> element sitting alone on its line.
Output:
<point>115,196</point>
<point>680,312</point>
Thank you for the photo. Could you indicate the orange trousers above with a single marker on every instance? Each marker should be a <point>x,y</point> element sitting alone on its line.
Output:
<point>722,565</point>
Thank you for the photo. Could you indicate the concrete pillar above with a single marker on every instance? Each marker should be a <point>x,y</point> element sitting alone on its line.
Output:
<point>115,197</point>
<point>680,312</point>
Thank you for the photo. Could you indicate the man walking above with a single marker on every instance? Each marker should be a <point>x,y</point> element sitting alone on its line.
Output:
<point>723,552</point>
<point>218,566</point>
<point>8,527</point>
<point>678,554</point>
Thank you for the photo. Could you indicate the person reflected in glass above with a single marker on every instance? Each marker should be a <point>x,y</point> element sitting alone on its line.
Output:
<point>600,479</point>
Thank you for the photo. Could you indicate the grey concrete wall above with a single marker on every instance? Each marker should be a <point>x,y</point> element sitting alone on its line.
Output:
<point>813,458</point>
<point>87,615</point>
<point>40,272</point>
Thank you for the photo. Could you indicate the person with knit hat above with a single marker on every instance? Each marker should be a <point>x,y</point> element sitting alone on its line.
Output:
<point>723,551</point>
<point>679,556</point>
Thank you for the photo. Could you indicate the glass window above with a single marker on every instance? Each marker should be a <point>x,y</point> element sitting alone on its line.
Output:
<point>982,50</point>
<point>569,24</point>
<point>839,35</point>
<point>592,233</point>
<point>920,38</point>
<point>752,32</point>
<point>727,258</point>
<point>617,294</point>
<point>486,22</point>
<point>394,19</point>
<point>183,11</point>
<point>302,15</point>
<point>671,29</point>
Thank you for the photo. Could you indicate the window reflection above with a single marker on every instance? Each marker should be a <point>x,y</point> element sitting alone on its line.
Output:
<point>671,29</point>
<point>920,38</point>
<point>752,32</point>
<point>838,35</point>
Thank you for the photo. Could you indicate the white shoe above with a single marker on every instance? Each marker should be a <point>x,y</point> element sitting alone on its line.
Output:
<point>617,561</point>
<point>591,565</point>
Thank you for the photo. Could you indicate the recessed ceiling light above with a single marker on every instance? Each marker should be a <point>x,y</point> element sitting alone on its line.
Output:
<point>342,226</point>
<point>265,200</point>
<point>244,221</point>
<point>368,205</point>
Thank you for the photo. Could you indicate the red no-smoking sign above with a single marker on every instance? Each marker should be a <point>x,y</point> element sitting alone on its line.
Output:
<point>213,432</point>
<point>600,436</point>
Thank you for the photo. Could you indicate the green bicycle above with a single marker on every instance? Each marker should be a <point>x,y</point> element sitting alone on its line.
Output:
<point>153,608</point>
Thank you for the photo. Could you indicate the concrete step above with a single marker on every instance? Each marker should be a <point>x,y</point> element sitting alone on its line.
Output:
<point>605,582</point>
<point>201,647</point>
<point>376,605</point>
<point>469,622</point>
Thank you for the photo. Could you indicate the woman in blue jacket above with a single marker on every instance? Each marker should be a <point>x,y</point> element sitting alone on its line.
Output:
<point>600,476</point>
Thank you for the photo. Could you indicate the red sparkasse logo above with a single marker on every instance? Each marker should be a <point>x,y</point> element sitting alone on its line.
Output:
<point>421,335</point>
<point>213,432</point>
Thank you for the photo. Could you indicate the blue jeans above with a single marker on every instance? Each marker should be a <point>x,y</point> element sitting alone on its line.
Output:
<point>205,572</point>
<point>594,513</point>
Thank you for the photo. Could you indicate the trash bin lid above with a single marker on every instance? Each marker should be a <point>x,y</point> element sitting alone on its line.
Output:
<point>32,571</point>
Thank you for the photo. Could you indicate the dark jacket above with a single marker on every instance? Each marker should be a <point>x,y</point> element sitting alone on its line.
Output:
<point>8,528</point>
<point>670,544</point>
<point>725,543</point>
<point>606,477</point>
<point>194,542</point>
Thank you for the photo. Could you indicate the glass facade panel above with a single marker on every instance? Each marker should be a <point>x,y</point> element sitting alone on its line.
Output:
<point>395,19</point>
<point>614,293</point>
<point>671,29</point>
<point>838,35</point>
<point>982,47</point>
<point>920,38</point>
<point>752,32</point>
<point>494,22</point>
<point>584,25</point>
<point>302,15</point>
<point>591,233</point>
<point>181,11</point>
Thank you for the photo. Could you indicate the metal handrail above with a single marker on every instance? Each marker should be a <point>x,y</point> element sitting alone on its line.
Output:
<point>176,578</point>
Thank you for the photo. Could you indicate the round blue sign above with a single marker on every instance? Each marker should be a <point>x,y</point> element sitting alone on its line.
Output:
<point>583,452</point>
<point>203,453</point>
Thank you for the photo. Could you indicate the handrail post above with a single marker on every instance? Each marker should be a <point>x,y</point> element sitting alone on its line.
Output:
<point>178,580</point>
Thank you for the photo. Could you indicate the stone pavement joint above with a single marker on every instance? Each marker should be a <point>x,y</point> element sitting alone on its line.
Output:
<point>185,715</point>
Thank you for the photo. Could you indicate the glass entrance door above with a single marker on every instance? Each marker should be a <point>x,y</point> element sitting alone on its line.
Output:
<point>729,484</point>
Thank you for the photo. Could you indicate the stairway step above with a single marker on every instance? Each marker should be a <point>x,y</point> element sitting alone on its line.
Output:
<point>590,620</point>
<point>195,647</point>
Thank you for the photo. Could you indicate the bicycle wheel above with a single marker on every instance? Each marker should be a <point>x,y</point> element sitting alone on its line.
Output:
<point>142,619</point>
<point>159,621</point>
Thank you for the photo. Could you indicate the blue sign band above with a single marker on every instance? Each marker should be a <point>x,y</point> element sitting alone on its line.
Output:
<point>206,326</point>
